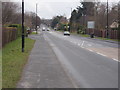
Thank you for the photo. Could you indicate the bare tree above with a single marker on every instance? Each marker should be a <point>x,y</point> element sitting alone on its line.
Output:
<point>9,11</point>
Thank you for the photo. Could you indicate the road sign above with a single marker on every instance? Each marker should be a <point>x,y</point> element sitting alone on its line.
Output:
<point>91,24</point>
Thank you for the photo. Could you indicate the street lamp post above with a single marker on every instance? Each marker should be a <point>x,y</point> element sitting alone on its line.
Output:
<point>107,21</point>
<point>36,18</point>
<point>23,36</point>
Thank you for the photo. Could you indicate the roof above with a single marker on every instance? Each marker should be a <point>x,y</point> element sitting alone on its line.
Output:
<point>114,25</point>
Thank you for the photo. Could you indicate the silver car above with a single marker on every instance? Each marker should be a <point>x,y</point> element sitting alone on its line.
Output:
<point>67,33</point>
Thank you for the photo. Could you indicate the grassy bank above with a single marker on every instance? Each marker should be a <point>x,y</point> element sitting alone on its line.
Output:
<point>13,61</point>
<point>86,35</point>
<point>33,33</point>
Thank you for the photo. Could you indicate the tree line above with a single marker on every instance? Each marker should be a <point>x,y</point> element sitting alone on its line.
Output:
<point>90,11</point>
<point>12,14</point>
<point>93,11</point>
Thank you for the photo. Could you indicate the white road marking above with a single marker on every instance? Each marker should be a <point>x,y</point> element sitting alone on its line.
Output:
<point>82,43</point>
<point>90,50</point>
<point>101,54</point>
<point>115,59</point>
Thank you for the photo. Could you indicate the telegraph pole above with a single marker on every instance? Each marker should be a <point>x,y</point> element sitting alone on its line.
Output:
<point>107,22</point>
<point>118,35</point>
<point>36,18</point>
<point>23,36</point>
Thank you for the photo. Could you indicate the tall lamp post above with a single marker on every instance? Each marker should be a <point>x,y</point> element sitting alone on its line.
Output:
<point>36,18</point>
<point>23,36</point>
<point>107,21</point>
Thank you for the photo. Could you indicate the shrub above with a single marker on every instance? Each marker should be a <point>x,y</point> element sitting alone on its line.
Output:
<point>19,28</point>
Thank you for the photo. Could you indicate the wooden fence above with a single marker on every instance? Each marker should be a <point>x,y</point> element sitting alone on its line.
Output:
<point>8,34</point>
<point>113,34</point>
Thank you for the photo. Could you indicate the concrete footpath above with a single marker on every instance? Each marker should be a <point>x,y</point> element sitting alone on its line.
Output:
<point>43,69</point>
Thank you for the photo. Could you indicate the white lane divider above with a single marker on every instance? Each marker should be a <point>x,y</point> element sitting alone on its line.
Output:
<point>101,54</point>
<point>115,60</point>
<point>82,43</point>
<point>90,50</point>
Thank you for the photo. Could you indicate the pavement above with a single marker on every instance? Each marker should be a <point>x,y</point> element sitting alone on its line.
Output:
<point>43,69</point>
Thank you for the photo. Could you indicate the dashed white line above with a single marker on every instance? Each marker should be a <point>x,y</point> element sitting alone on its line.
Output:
<point>82,43</point>
<point>101,54</point>
<point>90,50</point>
<point>115,59</point>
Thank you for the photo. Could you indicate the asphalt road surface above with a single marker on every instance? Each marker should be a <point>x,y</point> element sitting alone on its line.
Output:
<point>86,61</point>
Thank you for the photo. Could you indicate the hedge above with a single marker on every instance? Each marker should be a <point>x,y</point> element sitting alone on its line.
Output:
<point>19,28</point>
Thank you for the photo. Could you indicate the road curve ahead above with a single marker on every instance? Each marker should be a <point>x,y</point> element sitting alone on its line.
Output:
<point>86,69</point>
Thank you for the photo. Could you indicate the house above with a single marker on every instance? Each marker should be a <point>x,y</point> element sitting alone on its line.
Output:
<point>114,25</point>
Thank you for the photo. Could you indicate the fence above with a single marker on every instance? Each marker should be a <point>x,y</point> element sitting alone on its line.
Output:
<point>113,34</point>
<point>8,34</point>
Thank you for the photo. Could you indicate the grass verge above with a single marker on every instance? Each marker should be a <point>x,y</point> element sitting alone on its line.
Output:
<point>107,39</point>
<point>13,61</point>
<point>33,33</point>
<point>86,35</point>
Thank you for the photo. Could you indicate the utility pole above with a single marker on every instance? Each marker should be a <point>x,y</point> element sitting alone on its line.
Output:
<point>107,22</point>
<point>36,18</point>
<point>23,36</point>
<point>118,35</point>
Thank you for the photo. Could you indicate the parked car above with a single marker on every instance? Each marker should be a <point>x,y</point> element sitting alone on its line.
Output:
<point>67,33</point>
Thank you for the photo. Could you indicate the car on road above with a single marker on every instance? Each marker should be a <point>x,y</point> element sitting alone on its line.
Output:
<point>48,29</point>
<point>43,29</point>
<point>67,33</point>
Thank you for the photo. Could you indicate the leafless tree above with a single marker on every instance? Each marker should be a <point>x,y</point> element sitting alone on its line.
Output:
<point>10,12</point>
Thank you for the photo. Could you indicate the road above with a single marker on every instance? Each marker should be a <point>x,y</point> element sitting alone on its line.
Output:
<point>89,63</point>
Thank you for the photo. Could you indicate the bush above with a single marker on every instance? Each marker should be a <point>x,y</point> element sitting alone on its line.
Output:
<point>61,26</point>
<point>19,29</point>
<point>81,30</point>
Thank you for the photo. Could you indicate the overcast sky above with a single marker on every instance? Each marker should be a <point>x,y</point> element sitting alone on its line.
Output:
<point>49,8</point>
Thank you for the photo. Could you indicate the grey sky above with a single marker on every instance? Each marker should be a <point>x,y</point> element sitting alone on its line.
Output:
<point>49,8</point>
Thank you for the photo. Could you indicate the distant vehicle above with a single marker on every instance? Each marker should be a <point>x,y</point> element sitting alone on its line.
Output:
<point>67,33</point>
<point>48,29</point>
<point>55,29</point>
<point>43,29</point>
